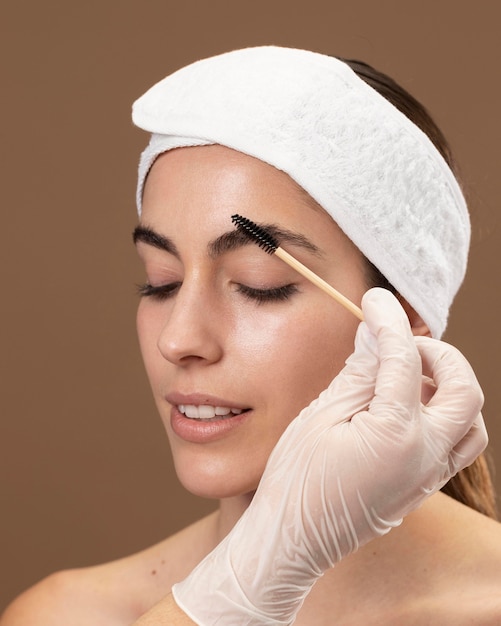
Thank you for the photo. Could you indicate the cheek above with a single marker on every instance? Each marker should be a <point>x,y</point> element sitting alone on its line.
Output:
<point>319,356</point>
<point>291,359</point>
<point>148,325</point>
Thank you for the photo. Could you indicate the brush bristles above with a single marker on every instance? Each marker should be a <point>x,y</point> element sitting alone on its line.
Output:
<point>259,235</point>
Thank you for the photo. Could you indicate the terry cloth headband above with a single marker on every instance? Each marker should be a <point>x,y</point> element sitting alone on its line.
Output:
<point>374,171</point>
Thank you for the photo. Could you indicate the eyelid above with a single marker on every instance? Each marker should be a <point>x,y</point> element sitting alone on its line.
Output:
<point>158,292</point>
<point>272,294</point>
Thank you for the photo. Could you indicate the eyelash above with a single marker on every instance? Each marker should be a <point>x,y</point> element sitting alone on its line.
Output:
<point>162,292</point>
<point>260,296</point>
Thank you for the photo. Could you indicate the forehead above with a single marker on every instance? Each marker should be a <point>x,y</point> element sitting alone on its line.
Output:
<point>198,177</point>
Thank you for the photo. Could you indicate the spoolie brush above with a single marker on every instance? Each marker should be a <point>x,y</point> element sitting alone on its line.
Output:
<point>269,244</point>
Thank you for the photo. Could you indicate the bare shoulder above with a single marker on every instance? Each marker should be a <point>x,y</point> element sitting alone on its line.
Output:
<point>483,541</point>
<point>462,574</point>
<point>115,593</point>
<point>477,605</point>
<point>471,594</point>
<point>55,600</point>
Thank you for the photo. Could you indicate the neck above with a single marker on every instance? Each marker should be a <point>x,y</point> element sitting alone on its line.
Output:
<point>230,511</point>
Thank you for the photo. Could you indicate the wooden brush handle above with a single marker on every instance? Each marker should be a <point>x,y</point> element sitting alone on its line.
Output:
<point>319,282</point>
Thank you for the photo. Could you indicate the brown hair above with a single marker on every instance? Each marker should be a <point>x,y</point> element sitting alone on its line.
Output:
<point>473,485</point>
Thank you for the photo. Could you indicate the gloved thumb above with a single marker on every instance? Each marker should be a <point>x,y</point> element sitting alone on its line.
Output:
<point>353,388</point>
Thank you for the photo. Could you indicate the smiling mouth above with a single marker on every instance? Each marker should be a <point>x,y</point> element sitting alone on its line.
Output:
<point>207,412</point>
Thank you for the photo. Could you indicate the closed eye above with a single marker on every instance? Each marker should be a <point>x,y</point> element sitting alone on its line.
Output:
<point>262,296</point>
<point>158,292</point>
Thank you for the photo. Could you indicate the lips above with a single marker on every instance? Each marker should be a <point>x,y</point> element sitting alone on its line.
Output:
<point>202,418</point>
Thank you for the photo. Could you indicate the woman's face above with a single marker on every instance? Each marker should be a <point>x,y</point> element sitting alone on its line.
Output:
<point>223,324</point>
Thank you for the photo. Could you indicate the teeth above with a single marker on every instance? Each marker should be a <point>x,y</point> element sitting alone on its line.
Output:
<point>206,411</point>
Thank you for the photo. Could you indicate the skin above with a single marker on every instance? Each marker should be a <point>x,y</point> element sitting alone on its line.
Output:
<point>211,339</point>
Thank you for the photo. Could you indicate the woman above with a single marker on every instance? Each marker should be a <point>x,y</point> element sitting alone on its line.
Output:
<point>236,344</point>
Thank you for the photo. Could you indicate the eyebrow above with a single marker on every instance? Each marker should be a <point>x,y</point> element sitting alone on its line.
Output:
<point>148,236</point>
<point>231,240</point>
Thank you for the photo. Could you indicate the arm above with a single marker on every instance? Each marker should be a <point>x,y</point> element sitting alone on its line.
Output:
<point>167,613</point>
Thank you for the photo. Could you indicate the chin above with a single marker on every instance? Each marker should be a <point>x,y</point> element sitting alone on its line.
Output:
<point>216,483</point>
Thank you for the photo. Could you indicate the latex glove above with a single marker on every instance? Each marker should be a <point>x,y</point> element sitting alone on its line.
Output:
<point>360,457</point>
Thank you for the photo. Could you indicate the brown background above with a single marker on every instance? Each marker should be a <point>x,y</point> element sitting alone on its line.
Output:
<point>85,470</point>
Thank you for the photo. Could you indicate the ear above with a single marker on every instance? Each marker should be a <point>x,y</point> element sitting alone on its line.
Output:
<point>419,328</point>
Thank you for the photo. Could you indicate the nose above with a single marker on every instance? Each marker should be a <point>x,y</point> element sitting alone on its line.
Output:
<point>192,332</point>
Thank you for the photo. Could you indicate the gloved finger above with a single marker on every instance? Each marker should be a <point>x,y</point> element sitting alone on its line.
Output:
<point>458,398</point>
<point>398,384</point>
<point>353,388</point>
<point>470,447</point>
<point>463,455</point>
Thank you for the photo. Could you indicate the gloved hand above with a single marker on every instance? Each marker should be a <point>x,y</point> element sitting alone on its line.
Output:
<point>360,457</point>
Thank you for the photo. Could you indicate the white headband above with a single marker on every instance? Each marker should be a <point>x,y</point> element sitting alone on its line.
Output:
<point>375,172</point>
